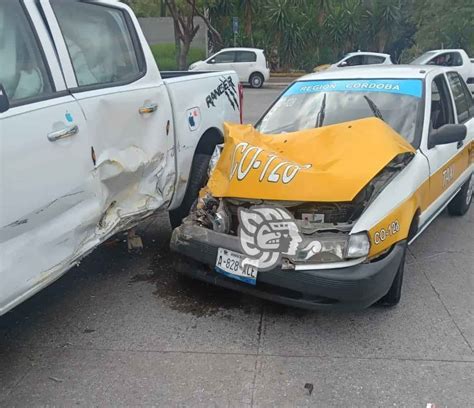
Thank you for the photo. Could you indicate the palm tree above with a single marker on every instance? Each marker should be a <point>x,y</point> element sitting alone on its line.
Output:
<point>248,8</point>
<point>323,7</point>
<point>382,17</point>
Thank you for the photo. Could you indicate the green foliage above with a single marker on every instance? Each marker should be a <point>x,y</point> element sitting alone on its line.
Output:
<point>300,34</point>
<point>146,8</point>
<point>165,56</point>
<point>443,24</point>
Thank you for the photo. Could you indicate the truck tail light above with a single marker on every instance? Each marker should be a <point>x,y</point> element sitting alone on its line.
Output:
<point>241,102</point>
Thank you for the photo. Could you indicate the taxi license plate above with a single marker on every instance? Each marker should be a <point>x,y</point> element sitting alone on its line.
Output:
<point>229,263</point>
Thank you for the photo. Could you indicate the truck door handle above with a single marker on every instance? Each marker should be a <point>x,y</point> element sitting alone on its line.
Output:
<point>460,144</point>
<point>63,133</point>
<point>148,108</point>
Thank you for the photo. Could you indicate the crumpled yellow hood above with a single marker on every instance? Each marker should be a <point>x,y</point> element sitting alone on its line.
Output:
<point>332,163</point>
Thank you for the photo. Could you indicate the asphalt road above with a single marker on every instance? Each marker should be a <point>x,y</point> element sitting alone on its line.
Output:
<point>123,330</point>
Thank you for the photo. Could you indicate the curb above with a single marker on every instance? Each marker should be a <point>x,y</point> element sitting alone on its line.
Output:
<point>287,74</point>
<point>276,85</point>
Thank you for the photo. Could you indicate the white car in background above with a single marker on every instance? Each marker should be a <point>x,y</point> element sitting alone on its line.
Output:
<point>250,64</point>
<point>358,58</point>
<point>455,58</point>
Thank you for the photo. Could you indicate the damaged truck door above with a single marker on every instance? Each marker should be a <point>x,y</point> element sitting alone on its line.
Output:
<point>93,137</point>
<point>112,76</point>
<point>47,195</point>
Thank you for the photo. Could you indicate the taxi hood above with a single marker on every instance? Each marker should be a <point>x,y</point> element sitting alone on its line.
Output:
<point>328,164</point>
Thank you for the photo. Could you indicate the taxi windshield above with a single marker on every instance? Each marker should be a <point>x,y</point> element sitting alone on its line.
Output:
<point>311,104</point>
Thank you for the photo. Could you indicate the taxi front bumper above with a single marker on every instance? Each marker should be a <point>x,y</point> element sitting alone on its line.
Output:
<point>352,287</point>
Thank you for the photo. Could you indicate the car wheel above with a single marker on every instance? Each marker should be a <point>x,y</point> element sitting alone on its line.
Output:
<point>462,200</point>
<point>256,80</point>
<point>198,179</point>
<point>392,298</point>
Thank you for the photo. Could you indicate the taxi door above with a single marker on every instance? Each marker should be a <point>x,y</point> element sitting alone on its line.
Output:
<point>447,162</point>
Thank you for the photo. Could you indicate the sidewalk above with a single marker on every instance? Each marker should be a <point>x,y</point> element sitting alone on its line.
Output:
<point>279,82</point>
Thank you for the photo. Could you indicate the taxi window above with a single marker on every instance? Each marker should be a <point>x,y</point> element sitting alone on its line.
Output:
<point>441,106</point>
<point>463,104</point>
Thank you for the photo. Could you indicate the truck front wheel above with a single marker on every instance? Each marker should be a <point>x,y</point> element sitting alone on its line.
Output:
<point>198,179</point>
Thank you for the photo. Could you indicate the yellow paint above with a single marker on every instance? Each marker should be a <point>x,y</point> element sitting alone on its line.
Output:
<point>428,192</point>
<point>449,173</point>
<point>403,215</point>
<point>328,164</point>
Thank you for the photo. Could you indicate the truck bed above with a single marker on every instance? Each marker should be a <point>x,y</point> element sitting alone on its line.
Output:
<point>179,74</point>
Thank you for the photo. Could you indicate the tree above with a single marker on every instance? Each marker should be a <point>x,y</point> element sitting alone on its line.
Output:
<point>184,28</point>
<point>203,12</point>
<point>382,18</point>
<point>304,33</point>
<point>443,24</point>
<point>248,7</point>
<point>146,8</point>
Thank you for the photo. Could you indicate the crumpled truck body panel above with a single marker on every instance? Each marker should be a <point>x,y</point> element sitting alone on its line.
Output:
<point>129,155</point>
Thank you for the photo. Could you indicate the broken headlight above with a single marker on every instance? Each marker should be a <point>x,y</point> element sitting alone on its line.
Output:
<point>222,220</point>
<point>358,245</point>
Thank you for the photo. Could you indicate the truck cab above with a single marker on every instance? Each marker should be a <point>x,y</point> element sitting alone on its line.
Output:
<point>457,59</point>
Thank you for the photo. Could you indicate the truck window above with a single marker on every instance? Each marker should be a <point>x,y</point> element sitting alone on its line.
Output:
<point>22,69</point>
<point>441,106</point>
<point>447,59</point>
<point>462,97</point>
<point>99,42</point>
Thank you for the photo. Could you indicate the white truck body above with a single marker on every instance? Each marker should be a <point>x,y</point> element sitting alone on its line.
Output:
<point>84,156</point>
<point>456,59</point>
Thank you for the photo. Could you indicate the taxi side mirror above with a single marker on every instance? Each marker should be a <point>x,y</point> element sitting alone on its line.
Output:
<point>4,102</point>
<point>343,64</point>
<point>447,134</point>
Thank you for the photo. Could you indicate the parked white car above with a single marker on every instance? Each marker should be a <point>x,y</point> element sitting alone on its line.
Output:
<point>93,138</point>
<point>454,58</point>
<point>358,58</point>
<point>249,63</point>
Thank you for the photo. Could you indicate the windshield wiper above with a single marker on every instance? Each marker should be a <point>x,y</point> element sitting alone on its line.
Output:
<point>321,114</point>
<point>373,107</point>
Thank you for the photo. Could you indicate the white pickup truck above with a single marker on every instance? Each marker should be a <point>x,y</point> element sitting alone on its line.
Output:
<point>457,59</point>
<point>93,138</point>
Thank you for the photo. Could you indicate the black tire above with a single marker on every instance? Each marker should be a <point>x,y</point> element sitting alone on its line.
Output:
<point>462,200</point>
<point>392,298</point>
<point>256,80</point>
<point>198,179</point>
